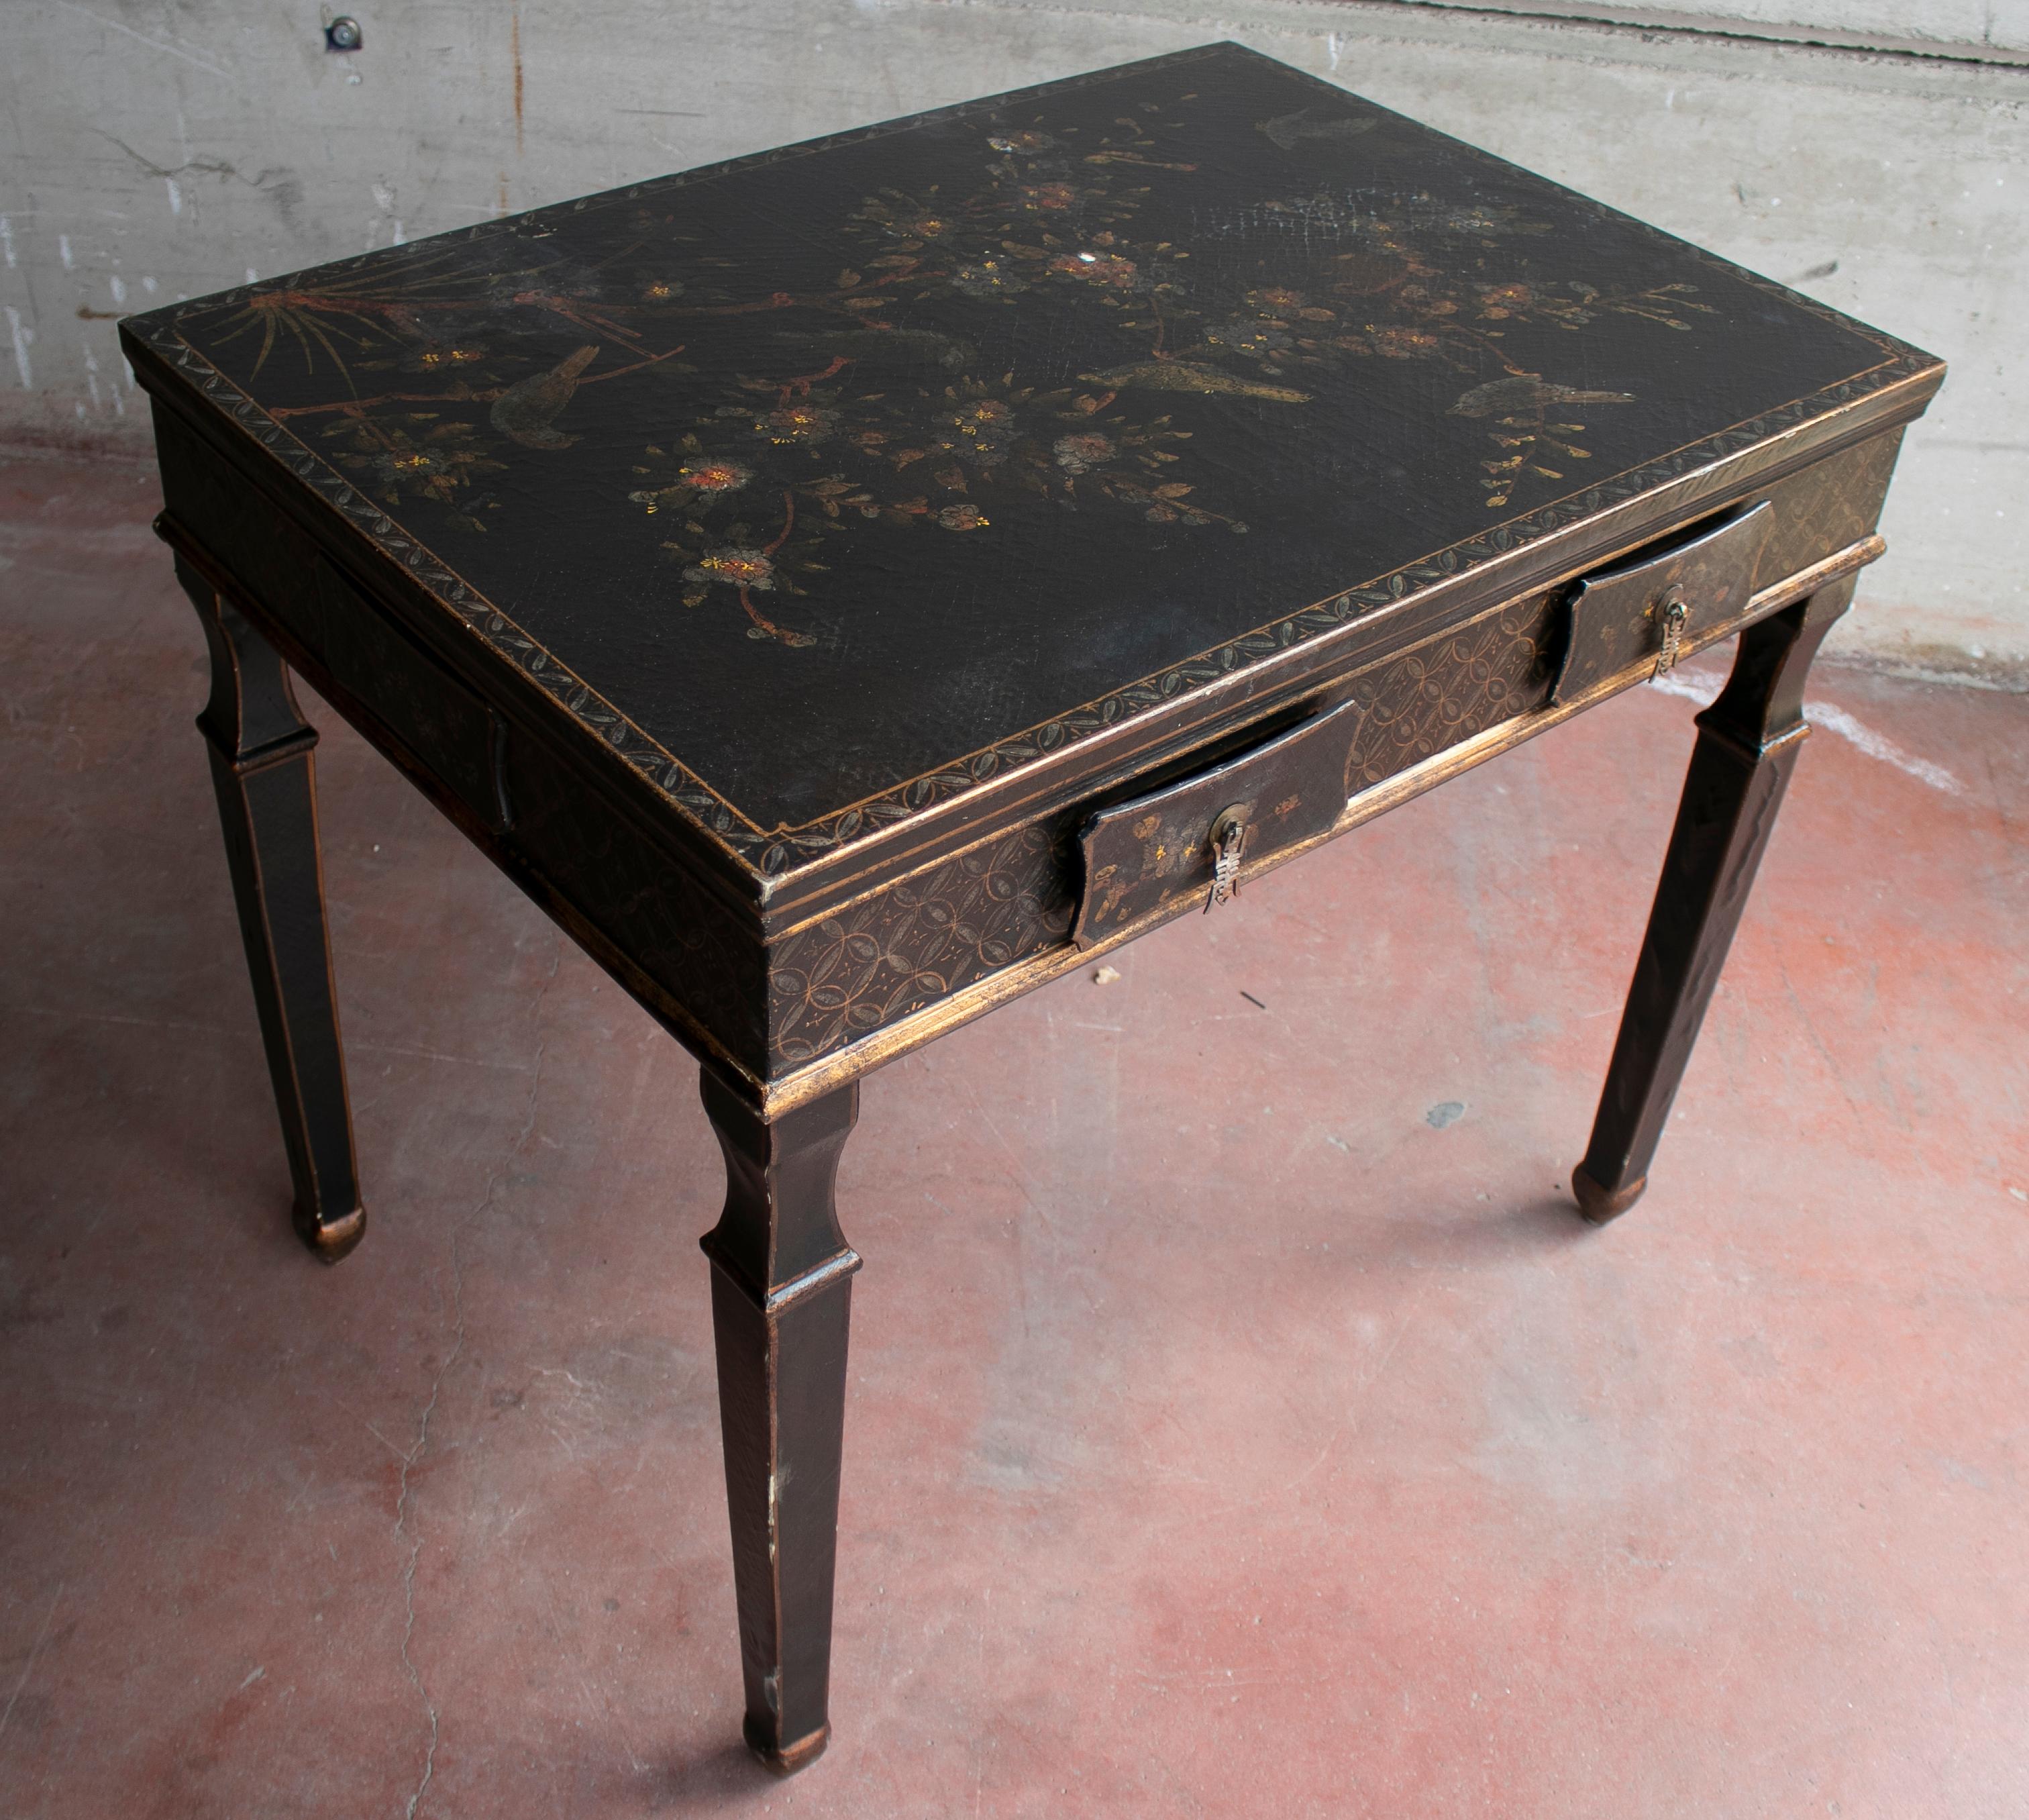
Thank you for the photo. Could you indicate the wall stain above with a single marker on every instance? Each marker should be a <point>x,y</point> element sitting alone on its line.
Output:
<point>515,39</point>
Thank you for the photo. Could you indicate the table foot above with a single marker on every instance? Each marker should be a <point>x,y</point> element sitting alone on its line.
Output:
<point>1599,1205</point>
<point>786,1759</point>
<point>329,1240</point>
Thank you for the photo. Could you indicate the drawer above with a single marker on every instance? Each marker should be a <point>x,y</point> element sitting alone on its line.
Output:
<point>1155,851</point>
<point>1659,598</point>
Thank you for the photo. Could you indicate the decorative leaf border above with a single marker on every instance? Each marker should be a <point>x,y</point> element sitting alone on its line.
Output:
<point>773,851</point>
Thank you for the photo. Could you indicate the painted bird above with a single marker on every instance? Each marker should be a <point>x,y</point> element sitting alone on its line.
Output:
<point>1525,392</point>
<point>1174,376</point>
<point>525,411</point>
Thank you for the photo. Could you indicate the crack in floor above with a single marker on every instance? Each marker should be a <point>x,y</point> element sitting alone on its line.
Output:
<point>403,1531</point>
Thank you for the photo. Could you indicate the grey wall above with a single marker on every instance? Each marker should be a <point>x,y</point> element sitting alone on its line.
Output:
<point>156,149</point>
<point>1983,30</point>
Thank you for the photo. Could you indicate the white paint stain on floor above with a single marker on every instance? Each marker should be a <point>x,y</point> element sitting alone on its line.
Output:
<point>21,335</point>
<point>1703,687</point>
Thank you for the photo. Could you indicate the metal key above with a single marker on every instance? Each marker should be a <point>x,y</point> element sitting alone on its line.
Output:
<point>1675,611</point>
<point>1228,840</point>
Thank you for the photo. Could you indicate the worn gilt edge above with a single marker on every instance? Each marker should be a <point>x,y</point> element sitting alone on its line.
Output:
<point>773,852</point>
<point>1262,681</point>
<point>802,1085</point>
<point>1278,638</point>
<point>1047,796</point>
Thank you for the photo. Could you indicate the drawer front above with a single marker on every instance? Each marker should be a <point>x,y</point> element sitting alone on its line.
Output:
<point>1156,851</point>
<point>1646,606</point>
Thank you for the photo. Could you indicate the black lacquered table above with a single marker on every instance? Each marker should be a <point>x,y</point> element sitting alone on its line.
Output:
<point>850,587</point>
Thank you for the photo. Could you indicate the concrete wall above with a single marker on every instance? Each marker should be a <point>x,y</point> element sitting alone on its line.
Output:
<point>1977,31</point>
<point>166,148</point>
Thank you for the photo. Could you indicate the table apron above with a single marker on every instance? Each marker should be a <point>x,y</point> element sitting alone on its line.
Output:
<point>947,1012</point>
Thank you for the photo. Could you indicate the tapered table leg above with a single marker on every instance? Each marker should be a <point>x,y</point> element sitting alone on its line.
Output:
<point>261,767</point>
<point>1747,743</point>
<point>781,1294</point>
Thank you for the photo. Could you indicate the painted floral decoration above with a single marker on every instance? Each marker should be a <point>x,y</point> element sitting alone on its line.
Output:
<point>866,406</point>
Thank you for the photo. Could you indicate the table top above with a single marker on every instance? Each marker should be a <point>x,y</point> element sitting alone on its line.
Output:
<point>841,478</point>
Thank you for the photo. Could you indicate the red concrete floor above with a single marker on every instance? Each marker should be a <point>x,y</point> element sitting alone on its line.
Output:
<point>1241,1423</point>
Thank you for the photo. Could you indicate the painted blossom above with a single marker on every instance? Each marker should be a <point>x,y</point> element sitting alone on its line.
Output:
<point>1077,454</point>
<point>1404,343</point>
<point>799,423</point>
<point>987,278</point>
<point>1251,336</point>
<point>739,568</point>
<point>984,415</point>
<point>1500,300</point>
<point>1108,268</point>
<point>714,477</point>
